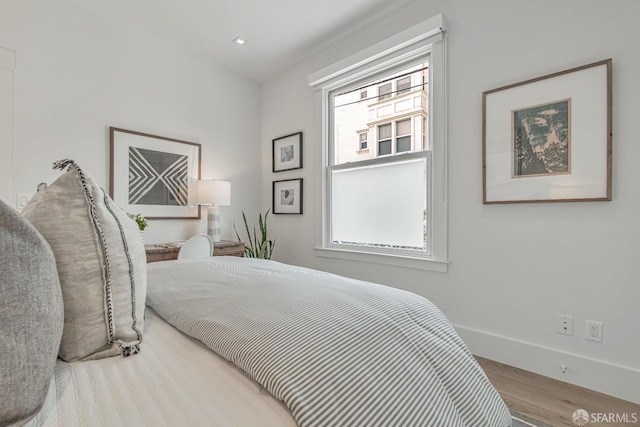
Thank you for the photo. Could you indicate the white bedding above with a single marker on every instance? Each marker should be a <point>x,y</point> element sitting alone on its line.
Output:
<point>173,381</point>
<point>177,381</point>
<point>336,351</point>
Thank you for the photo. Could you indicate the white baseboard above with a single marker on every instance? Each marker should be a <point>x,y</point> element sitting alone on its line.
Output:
<point>604,377</point>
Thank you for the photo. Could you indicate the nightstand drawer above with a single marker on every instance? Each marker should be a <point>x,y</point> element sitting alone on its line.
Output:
<point>157,253</point>
<point>228,248</point>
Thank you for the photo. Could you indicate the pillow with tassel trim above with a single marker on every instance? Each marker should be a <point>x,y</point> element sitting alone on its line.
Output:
<point>101,264</point>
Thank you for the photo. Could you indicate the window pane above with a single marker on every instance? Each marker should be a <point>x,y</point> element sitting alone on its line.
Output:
<point>382,205</point>
<point>403,127</point>
<point>403,85</point>
<point>384,92</point>
<point>363,141</point>
<point>384,131</point>
<point>404,144</point>
<point>384,147</point>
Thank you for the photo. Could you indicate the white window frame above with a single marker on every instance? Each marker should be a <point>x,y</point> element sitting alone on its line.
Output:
<point>425,39</point>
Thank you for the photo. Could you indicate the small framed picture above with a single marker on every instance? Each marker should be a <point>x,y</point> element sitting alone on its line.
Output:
<point>287,196</point>
<point>287,152</point>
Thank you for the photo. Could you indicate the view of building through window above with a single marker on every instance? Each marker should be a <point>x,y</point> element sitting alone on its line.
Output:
<point>386,117</point>
<point>378,197</point>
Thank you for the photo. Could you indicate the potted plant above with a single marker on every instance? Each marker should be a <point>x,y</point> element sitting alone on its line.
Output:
<point>257,247</point>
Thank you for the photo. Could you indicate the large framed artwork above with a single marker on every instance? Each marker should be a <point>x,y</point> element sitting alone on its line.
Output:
<point>548,139</point>
<point>287,196</point>
<point>287,152</point>
<point>154,175</point>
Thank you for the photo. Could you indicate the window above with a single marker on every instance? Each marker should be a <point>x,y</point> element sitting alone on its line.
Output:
<point>363,94</point>
<point>363,141</point>
<point>396,138</point>
<point>403,85</point>
<point>389,204</point>
<point>384,92</point>
<point>403,136</point>
<point>384,140</point>
<point>379,200</point>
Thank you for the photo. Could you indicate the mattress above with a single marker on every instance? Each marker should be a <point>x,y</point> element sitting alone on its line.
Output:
<point>174,381</point>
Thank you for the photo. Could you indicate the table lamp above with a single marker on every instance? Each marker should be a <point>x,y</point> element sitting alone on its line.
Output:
<point>213,193</point>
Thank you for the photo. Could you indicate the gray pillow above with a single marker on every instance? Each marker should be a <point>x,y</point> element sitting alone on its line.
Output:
<point>30,317</point>
<point>101,263</point>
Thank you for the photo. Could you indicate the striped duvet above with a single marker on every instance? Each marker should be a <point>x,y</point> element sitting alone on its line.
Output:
<point>336,351</point>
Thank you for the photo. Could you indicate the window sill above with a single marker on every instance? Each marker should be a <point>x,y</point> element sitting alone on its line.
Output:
<point>385,259</point>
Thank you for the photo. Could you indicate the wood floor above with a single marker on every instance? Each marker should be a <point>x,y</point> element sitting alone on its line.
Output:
<point>552,401</point>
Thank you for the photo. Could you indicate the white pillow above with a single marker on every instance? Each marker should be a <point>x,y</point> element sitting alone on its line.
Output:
<point>101,263</point>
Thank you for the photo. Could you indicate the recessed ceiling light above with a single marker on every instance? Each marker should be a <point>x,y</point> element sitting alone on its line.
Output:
<point>239,40</point>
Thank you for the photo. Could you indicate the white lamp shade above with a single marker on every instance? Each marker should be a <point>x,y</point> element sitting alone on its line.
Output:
<point>213,192</point>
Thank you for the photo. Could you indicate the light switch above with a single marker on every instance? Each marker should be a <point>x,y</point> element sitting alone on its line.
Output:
<point>22,201</point>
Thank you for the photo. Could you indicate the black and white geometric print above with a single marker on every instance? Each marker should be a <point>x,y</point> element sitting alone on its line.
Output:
<point>157,178</point>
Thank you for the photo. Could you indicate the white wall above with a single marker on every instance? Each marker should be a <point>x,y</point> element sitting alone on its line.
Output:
<point>78,72</point>
<point>513,267</point>
<point>7,61</point>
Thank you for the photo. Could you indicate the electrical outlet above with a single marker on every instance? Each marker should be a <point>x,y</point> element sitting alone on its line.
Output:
<point>565,324</point>
<point>593,331</point>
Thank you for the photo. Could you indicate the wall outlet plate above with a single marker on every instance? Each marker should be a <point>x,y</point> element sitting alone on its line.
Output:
<point>593,331</point>
<point>565,324</point>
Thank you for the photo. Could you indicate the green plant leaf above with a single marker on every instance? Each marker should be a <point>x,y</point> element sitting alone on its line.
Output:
<point>257,246</point>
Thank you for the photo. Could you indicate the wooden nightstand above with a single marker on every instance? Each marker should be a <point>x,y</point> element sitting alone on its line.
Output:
<point>157,253</point>
<point>228,248</point>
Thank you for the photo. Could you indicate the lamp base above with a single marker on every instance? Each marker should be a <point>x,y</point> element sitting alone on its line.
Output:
<point>213,223</point>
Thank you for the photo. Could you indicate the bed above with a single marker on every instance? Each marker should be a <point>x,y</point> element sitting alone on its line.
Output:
<point>216,327</point>
<point>92,335</point>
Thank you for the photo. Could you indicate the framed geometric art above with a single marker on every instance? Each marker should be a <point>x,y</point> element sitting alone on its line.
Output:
<point>154,175</point>
<point>287,196</point>
<point>287,152</point>
<point>548,139</point>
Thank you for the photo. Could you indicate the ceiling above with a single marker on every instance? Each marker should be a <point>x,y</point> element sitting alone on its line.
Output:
<point>279,33</point>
